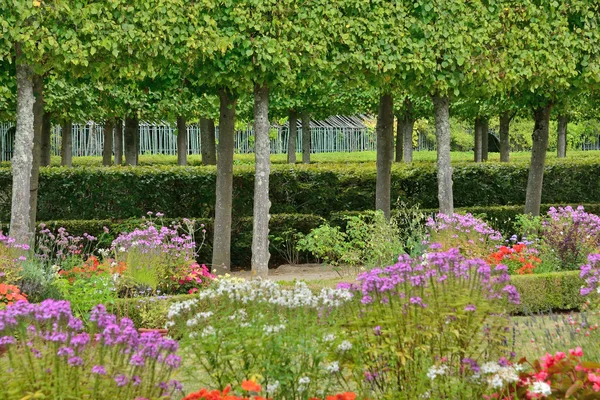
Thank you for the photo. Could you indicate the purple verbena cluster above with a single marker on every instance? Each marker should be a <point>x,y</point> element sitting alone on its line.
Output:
<point>590,272</point>
<point>112,350</point>
<point>11,242</point>
<point>463,223</point>
<point>151,239</point>
<point>62,245</point>
<point>571,234</point>
<point>411,277</point>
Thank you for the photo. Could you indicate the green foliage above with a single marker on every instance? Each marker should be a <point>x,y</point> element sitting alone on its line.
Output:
<point>558,291</point>
<point>84,294</point>
<point>327,243</point>
<point>100,193</point>
<point>37,281</point>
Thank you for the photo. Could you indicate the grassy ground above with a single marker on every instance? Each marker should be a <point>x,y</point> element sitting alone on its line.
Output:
<point>356,157</point>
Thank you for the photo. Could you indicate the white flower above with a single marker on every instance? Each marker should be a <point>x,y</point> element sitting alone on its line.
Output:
<point>344,346</point>
<point>496,382</point>
<point>304,380</point>
<point>268,329</point>
<point>329,337</point>
<point>272,387</point>
<point>333,367</point>
<point>208,331</point>
<point>204,314</point>
<point>490,367</point>
<point>541,388</point>
<point>436,371</point>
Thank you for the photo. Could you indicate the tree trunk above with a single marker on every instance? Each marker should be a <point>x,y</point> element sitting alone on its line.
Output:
<point>45,156</point>
<point>504,138</point>
<point>66,144</point>
<point>485,136</point>
<point>408,125</point>
<point>118,141</point>
<point>38,116</point>
<point>182,141</point>
<point>306,138</point>
<point>22,156</point>
<point>107,150</point>
<point>207,141</point>
<point>131,142</point>
<point>441,106</point>
<point>533,198</point>
<point>221,258</point>
<point>385,154</point>
<point>262,204</point>
<point>561,144</point>
<point>478,140</point>
<point>292,135</point>
<point>399,140</point>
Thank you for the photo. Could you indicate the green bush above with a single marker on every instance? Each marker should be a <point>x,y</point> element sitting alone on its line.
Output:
<point>320,189</point>
<point>557,291</point>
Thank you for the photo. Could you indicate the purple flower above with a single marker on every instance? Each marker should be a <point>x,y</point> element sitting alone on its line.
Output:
<point>136,380</point>
<point>65,351</point>
<point>472,364</point>
<point>121,380</point>
<point>98,369</point>
<point>173,361</point>
<point>75,361</point>
<point>470,307</point>
<point>137,360</point>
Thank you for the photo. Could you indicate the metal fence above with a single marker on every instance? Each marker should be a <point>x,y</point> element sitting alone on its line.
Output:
<point>335,134</point>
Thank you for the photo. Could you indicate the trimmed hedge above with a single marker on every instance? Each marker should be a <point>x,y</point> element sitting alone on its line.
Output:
<point>241,233</point>
<point>558,291</point>
<point>320,189</point>
<point>501,218</point>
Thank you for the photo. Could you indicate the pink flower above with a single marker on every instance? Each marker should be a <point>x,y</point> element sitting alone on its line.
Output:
<point>559,355</point>
<point>578,352</point>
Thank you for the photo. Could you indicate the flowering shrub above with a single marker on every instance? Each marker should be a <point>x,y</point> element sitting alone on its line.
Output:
<point>189,278</point>
<point>590,272</point>
<point>252,387</point>
<point>236,328</point>
<point>62,247</point>
<point>92,267</point>
<point>471,235</point>
<point>568,236</point>
<point>10,294</point>
<point>11,255</point>
<point>557,376</point>
<point>438,306</point>
<point>51,356</point>
<point>519,258</point>
<point>153,254</point>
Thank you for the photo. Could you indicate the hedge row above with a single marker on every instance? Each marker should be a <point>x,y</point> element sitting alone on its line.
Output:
<point>558,291</point>
<point>501,218</point>
<point>320,189</point>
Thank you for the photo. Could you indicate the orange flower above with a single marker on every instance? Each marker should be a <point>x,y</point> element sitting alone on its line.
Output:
<point>250,386</point>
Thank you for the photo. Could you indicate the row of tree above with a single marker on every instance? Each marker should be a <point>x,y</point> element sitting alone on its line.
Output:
<point>119,59</point>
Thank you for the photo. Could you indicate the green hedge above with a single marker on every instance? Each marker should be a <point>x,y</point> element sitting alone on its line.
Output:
<point>557,291</point>
<point>320,189</point>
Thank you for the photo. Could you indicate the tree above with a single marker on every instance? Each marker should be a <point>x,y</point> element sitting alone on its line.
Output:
<point>548,47</point>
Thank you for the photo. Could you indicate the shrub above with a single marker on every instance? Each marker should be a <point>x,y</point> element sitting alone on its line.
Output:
<point>405,316</point>
<point>51,356</point>
<point>123,192</point>
<point>471,235</point>
<point>238,328</point>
